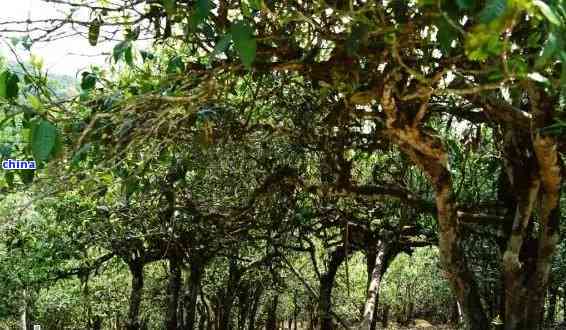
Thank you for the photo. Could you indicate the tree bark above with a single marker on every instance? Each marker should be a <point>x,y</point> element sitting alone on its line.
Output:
<point>552,299</point>
<point>427,152</point>
<point>326,285</point>
<point>550,170</point>
<point>174,285</point>
<point>271,323</point>
<point>385,319</point>
<point>191,294</point>
<point>295,312</point>
<point>228,295</point>
<point>24,312</point>
<point>254,308</point>
<point>534,171</point>
<point>136,270</point>
<point>203,316</point>
<point>373,289</point>
<point>244,302</point>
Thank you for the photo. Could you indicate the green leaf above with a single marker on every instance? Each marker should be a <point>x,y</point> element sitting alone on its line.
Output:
<point>133,34</point>
<point>128,55</point>
<point>88,81</point>
<point>27,42</point>
<point>547,12</point>
<point>170,6</point>
<point>130,185</point>
<point>534,40</point>
<point>446,35</point>
<point>493,9</point>
<point>554,129</point>
<point>43,138</point>
<point>203,8</point>
<point>80,154</point>
<point>3,84</point>
<point>9,85</point>
<point>119,49</point>
<point>221,45</point>
<point>145,55</point>
<point>5,150</point>
<point>244,42</point>
<point>551,47</point>
<point>94,32</point>
<point>465,4</point>
<point>357,37</point>
<point>35,102</point>
<point>9,177</point>
<point>175,65</point>
<point>562,95</point>
<point>535,76</point>
<point>26,176</point>
<point>57,147</point>
<point>255,4</point>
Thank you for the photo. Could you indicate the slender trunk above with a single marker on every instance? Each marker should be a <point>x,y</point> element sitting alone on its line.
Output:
<point>515,267</point>
<point>313,321</point>
<point>97,323</point>
<point>136,269</point>
<point>244,301</point>
<point>191,294</point>
<point>295,312</point>
<point>385,319</point>
<point>373,325</point>
<point>552,299</point>
<point>373,289</point>
<point>454,314</point>
<point>271,322</point>
<point>207,308</point>
<point>173,288</point>
<point>254,308</point>
<point>24,313</point>
<point>326,285</point>
<point>460,314</point>
<point>203,316</point>
<point>228,296</point>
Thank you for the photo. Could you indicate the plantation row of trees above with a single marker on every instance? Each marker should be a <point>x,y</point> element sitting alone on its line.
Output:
<point>297,164</point>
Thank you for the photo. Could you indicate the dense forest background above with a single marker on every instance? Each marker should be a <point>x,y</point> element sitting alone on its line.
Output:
<point>261,164</point>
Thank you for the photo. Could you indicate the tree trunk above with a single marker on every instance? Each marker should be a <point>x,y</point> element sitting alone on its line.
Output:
<point>427,152</point>
<point>552,299</point>
<point>326,285</point>
<point>385,319</point>
<point>271,323</point>
<point>24,312</point>
<point>207,308</point>
<point>228,295</point>
<point>295,312</point>
<point>191,294</point>
<point>203,317</point>
<point>536,180</point>
<point>171,320</point>
<point>136,269</point>
<point>374,282</point>
<point>254,308</point>
<point>244,302</point>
